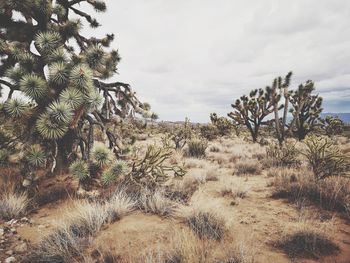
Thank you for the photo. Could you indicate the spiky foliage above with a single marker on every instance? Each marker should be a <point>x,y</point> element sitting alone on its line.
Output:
<point>223,124</point>
<point>306,109</point>
<point>325,158</point>
<point>72,97</point>
<point>115,171</point>
<point>16,108</point>
<point>33,86</point>
<point>251,110</point>
<point>181,134</point>
<point>35,156</point>
<point>151,170</point>
<point>69,101</point>
<point>332,125</point>
<point>101,155</point>
<point>80,170</point>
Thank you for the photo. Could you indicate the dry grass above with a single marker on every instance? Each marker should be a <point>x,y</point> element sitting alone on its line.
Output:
<point>206,223</point>
<point>331,193</point>
<point>182,190</point>
<point>234,191</point>
<point>212,175</point>
<point>119,205</point>
<point>13,205</point>
<point>248,167</point>
<point>306,241</point>
<point>84,219</point>
<point>156,203</point>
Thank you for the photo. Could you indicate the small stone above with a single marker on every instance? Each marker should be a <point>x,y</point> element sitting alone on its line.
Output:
<point>10,260</point>
<point>24,219</point>
<point>13,230</point>
<point>41,226</point>
<point>21,248</point>
<point>9,252</point>
<point>2,231</point>
<point>26,183</point>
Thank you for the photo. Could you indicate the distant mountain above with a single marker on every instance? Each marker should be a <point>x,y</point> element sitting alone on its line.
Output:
<point>345,117</point>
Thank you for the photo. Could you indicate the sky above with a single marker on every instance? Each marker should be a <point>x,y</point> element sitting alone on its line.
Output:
<point>189,58</point>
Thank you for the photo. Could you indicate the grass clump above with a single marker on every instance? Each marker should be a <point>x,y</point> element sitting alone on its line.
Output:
<point>206,224</point>
<point>156,203</point>
<point>197,147</point>
<point>248,167</point>
<point>287,155</point>
<point>13,205</point>
<point>307,244</point>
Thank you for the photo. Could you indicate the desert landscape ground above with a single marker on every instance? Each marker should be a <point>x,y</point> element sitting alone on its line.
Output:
<point>91,172</point>
<point>250,218</point>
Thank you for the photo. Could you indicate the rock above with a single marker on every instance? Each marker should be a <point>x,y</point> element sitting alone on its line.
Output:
<point>21,248</point>
<point>41,226</point>
<point>10,260</point>
<point>26,183</point>
<point>2,232</point>
<point>13,230</point>
<point>9,252</point>
<point>24,219</point>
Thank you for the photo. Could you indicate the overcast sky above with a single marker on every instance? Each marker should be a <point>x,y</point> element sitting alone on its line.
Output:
<point>193,57</point>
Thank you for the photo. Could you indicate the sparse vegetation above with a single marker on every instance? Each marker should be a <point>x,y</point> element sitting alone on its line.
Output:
<point>196,148</point>
<point>247,167</point>
<point>307,243</point>
<point>206,224</point>
<point>13,205</point>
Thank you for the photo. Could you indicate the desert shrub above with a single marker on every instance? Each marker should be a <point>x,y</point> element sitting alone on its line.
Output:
<point>13,205</point>
<point>196,148</point>
<point>119,205</point>
<point>80,170</point>
<point>224,125</point>
<point>209,132</point>
<point>156,203</point>
<point>61,246</point>
<point>245,167</point>
<point>150,170</point>
<point>87,218</point>
<point>214,149</point>
<point>325,158</point>
<point>180,134</point>
<point>332,125</point>
<point>307,243</point>
<point>211,175</point>
<point>234,191</point>
<point>286,155</point>
<point>331,193</point>
<point>113,172</point>
<point>182,190</point>
<point>206,224</point>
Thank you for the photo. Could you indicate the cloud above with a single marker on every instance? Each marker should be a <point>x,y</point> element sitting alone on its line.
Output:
<point>193,57</point>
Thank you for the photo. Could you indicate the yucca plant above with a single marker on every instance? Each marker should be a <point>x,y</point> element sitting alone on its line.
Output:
<point>35,156</point>
<point>70,98</point>
<point>80,170</point>
<point>116,170</point>
<point>101,155</point>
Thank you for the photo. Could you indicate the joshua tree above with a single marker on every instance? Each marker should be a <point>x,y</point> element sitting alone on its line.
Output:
<point>278,89</point>
<point>223,124</point>
<point>62,86</point>
<point>306,110</point>
<point>332,125</point>
<point>251,111</point>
